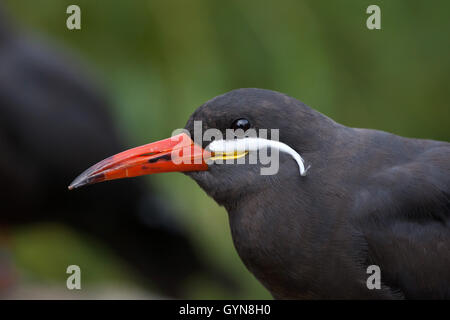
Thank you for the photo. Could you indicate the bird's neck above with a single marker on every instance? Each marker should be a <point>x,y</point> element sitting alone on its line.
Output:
<point>267,229</point>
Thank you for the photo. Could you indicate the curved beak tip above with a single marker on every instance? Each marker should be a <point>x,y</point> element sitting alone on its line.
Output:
<point>76,184</point>
<point>86,179</point>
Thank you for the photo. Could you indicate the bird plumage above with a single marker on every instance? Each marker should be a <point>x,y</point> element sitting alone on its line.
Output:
<point>370,197</point>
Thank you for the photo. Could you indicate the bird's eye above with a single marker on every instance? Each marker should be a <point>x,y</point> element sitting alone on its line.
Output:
<point>241,123</point>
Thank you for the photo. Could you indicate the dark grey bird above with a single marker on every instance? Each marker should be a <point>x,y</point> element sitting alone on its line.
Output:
<point>55,121</point>
<point>368,198</point>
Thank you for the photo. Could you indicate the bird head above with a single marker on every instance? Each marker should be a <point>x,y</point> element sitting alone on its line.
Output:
<point>218,142</point>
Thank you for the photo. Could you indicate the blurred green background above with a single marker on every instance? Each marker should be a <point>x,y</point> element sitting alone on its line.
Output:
<point>159,60</point>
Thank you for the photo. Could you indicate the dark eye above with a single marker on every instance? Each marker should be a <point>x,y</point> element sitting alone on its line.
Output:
<point>241,123</point>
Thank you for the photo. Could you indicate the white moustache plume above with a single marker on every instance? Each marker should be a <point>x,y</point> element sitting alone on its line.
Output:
<point>255,144</point>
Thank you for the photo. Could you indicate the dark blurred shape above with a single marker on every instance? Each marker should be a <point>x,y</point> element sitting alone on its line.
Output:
<point>54,123</point>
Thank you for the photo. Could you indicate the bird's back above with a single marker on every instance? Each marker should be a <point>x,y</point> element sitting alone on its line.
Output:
<point>402,209</point>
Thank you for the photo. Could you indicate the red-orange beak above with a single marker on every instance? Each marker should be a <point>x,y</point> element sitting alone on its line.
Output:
<point>178,153</point>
